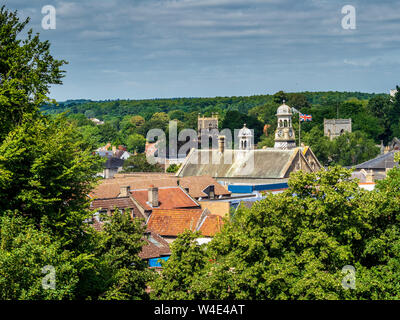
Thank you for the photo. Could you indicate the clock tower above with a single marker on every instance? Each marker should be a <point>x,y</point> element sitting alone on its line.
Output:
<point>284,134</point>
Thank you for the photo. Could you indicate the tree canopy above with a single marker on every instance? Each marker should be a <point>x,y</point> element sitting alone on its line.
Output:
<point>294,245</point>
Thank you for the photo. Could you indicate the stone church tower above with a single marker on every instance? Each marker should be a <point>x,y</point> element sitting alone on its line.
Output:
<point>207,130</point>
<point>205,124</point>
<point>284,135</point>
<point>334,128</point>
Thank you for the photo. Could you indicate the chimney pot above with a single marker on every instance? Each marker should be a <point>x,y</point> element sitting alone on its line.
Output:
<point>153,196</point>
<point>211,193</point>
<point>125,191</point>
<point>221,144</point>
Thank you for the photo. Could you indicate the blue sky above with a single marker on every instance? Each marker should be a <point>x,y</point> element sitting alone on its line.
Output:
<point>204,48</point>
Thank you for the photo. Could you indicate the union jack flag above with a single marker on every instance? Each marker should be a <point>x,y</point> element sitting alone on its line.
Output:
<point>305,117</point>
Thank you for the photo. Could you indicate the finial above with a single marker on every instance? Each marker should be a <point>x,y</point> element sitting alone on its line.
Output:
<point>284,101</point>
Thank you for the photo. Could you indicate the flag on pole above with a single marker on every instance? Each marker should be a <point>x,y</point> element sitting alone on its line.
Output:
<point>305,117</point>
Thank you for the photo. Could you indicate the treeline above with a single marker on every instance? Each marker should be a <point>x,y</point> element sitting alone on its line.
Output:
<point>375,119</point>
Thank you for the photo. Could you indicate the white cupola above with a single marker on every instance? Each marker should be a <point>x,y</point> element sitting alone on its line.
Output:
<point>245,138</point>
<point>284,134</point>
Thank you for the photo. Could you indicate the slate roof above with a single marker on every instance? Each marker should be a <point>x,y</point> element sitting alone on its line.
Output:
<point>260,163</point>
<point>380,162</point>
<point>168,198</point>
<point>113,163</point>
<point>176,221</point>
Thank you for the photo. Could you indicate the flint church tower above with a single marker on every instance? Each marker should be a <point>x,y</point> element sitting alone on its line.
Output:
<point>284,135</point>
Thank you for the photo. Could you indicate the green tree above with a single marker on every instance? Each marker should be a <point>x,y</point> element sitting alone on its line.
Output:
<point>136,143</point>
<point>353,148</point>
<point>91,136</point>
<point>139,163</point>
<point>298,101</point>
<point>46,175</point>
<point>125,273</point>
<point>27,70</point>
<point>173,168</point>
<point>320,145</point>
<point>24,252</point>
<point>108,133</point>
<point>177,115</point>
<point>187,259</point>
<point>294,245</point>
<point>279,96</point>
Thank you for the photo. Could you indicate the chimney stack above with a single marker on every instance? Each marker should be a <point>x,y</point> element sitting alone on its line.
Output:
<point>153,196</point>
<point>221,144</point>
<point>211,193</point>
<point>125,191</point>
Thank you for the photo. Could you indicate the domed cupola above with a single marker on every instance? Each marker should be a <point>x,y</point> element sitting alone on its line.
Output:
<point>284,110</point>
<point>245,138</point>
<point>284,134</point>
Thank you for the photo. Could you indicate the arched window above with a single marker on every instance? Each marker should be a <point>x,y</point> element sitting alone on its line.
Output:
<point>341,131</point>
<point>285,123</point>
<point>280,123</point>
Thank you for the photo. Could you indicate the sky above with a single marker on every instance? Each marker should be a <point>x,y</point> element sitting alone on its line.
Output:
<point>142,49</point>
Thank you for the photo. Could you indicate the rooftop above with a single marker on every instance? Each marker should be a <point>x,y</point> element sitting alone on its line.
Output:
<point>110,188</point>
<point>380,162</point>
<point>168,198</point>
<point>155,246</point>
<point>175,222</point>
<point>260,163</point>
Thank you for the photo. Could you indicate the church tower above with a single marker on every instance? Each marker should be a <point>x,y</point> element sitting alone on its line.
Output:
<point>284,134</point>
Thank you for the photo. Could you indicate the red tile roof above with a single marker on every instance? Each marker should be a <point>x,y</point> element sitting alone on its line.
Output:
<point>110,204</point>
<point>211,225</point>
<point>174,222</point>
<point>121,203</point>
<point>155,246</point>
<point>110,188</point>
<point>168,197</point>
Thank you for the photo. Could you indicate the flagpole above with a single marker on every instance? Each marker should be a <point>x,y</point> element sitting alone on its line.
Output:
<point>299,131</point>
<point>299,141</point>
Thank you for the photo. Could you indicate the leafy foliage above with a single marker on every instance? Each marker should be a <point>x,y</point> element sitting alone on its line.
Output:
<point>46,175</point>
<point>125,273</point>
<point>139,163</point>
<point>294,245</point>
<point>26,71</point>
